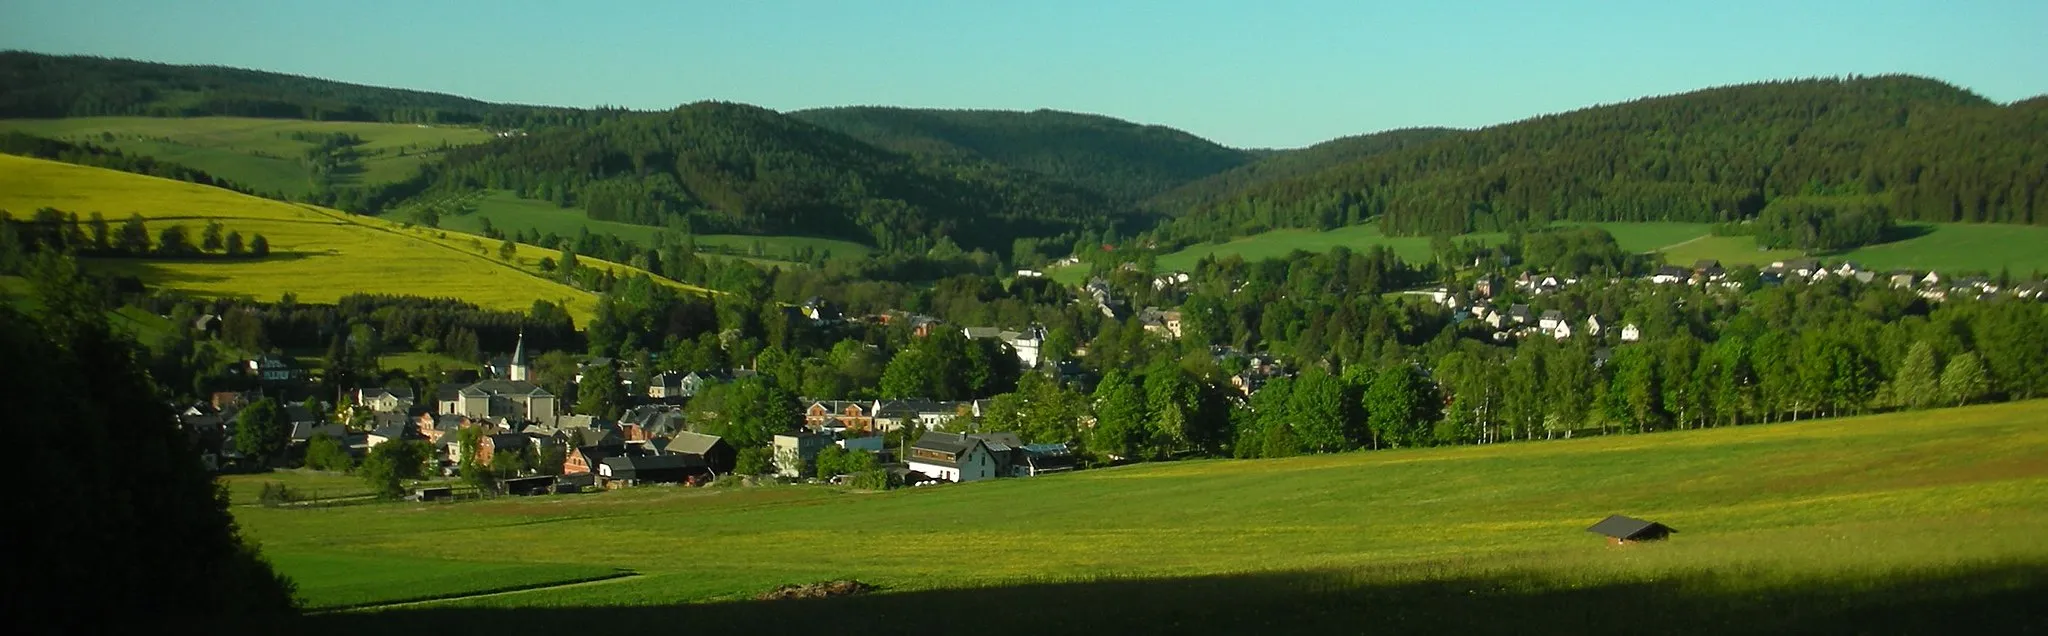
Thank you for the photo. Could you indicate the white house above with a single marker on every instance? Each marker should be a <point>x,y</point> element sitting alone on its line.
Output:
<point>1551,320</point>
<point>1593,326</point>
<point>952,457</point>
<point>794,451</point>
<point>1563,331</point>
<point>1629,333</point>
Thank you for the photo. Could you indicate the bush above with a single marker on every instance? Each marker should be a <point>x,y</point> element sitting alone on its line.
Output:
<point>754,460</point>
<point>323,453</point>
<point>276,494</point>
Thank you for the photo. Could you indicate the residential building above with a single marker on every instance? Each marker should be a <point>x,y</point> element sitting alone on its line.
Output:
<point>796,452</point>
<point>951,457</point>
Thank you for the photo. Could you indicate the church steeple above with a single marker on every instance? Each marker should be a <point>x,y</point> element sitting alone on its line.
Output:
<point>518,369</point>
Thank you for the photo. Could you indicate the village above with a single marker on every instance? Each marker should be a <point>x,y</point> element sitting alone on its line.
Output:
<point>911,441</point>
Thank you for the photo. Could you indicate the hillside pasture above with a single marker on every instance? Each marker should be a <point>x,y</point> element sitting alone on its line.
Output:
<point>1830,517</point>
<point>259,153</point>
<point>318,254</point>
<point>510,214</point>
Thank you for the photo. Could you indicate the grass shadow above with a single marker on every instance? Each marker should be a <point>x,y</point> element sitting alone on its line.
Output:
<point>2003,598</point>
<point>1894,234</point>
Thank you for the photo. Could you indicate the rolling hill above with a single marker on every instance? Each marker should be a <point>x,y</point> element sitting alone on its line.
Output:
<point>317,253</point>
<point>35,85</point>
<point>1842,525</point>
<point>736,169</point>
<point>1937,153</point>
<point>272,156</point>
<point>1123,160</point>
<point>1289,164</point>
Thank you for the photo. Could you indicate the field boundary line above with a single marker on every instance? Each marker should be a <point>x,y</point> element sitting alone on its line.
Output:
<point>620,575</point>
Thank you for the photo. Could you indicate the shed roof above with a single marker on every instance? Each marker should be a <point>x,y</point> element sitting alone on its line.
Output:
<point>1625,527</point>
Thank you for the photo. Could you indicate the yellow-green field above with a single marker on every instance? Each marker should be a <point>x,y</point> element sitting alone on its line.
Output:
<point>1807,519</point>
<point>257,153</point>
<point>317,253</point>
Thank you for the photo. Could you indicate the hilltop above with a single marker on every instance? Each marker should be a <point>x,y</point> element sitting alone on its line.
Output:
<point>736,169</point>
<point>318,254</point>
<point>1929,150</point>
<point>52,86</point>
<point>1120,159</point>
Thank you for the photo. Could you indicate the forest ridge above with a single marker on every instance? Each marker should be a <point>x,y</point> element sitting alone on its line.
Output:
<point>1906,148</point>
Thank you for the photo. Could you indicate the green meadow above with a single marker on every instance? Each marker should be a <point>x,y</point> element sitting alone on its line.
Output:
<point>259,153</point>
<point>1943,246</point>
<point>1843,525</point>
<point>509,213</point>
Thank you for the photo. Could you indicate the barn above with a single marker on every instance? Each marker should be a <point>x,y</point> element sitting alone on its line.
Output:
<point>1621,530</point>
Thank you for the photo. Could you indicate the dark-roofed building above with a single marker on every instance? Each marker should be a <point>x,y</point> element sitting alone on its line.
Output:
<point>644,469</point>
<point>501,399</point>
<point>385,399</point>
<point>1039,459</point>
<point>951,457</point>
<point>712,450</point>
<point>393,432</point>
<point>1622,529</point>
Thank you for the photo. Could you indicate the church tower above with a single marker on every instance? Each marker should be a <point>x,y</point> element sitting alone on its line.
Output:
<point>517,371</point>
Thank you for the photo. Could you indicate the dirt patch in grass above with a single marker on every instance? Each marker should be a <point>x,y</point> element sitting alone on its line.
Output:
<point>827,589</point>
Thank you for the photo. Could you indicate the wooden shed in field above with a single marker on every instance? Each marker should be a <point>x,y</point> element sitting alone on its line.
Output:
<point>1621,530</point>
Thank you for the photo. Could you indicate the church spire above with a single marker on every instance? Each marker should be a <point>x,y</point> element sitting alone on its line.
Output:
<point>518,369</point>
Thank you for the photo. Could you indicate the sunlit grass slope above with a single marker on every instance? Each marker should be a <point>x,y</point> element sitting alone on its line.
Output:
<point>258,153</point>
<point>317,253</point>
<point>1777,504</point>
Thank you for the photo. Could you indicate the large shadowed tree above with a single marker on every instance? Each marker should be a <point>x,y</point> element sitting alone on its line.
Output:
<point>124,514</point>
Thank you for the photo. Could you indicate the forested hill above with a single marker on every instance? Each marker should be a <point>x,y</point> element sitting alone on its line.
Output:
<point>730,168</point>
<point>1120,159</point>
<point>1924,149</point>
<point>1289,164</point>
<point>50,86</point>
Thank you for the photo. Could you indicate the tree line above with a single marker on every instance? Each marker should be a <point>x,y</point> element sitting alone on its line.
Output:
<point>55,230</point>
<point>1922,149</point>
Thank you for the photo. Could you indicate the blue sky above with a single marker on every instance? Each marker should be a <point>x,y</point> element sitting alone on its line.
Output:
<point>1276,73</point>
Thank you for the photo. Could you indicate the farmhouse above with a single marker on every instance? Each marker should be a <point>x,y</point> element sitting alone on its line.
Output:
<point>951,457</point>
<point>385,399</point>
<point>1621,530</point>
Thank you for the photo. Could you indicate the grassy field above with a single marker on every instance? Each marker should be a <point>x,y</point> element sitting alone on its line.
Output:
<point>258,153</point>
<point>342,581</point>
<point>317,253</point>
<point>1958,246</point>
<point>415,359</point>
<point>510,213</point>
<point>312,484</point>
<point>1634,237</point>
<point>1777,526</point>
<point>1943,246</point>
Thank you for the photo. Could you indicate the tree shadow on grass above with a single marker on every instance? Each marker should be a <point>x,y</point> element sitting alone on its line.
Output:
<point>1893,234</point>
<point>1995,599</point>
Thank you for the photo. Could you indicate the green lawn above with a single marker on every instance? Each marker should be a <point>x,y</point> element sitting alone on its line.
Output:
<point>334,581</point>
<point>258,153</point>
<point>1634,237</point>
<point>510,213</point>
<point>1834,517</point>
<point>308,484</point>
<point>1960,247</point>
<point>1730,250</point>
<point>1943,246</point>
<point>410,360</point>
